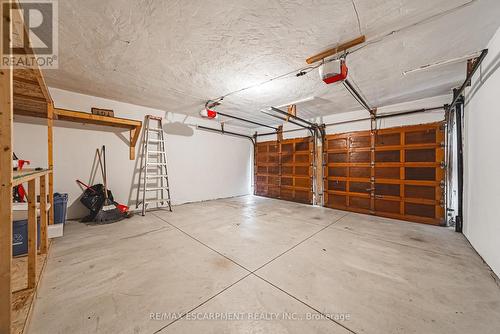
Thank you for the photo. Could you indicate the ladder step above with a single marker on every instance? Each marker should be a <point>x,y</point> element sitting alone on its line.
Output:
<point>155,130</point>
<point>156,163</point>
<point>157,188</point>
<point>159,200</point>
<point>156,176</point>
<point>154,141</point>
<point>156,152</point>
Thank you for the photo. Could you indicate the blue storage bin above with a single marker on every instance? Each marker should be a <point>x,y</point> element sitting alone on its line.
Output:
<point>60,208</point>
<point>20,237</point>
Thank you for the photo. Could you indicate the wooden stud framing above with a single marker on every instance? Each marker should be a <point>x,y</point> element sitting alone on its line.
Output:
<point>44,241</point>
<point>50,154</point>
<point>6,114</point>
<point>22,91</point>
<point>32,234</point>
<point>319,170</point>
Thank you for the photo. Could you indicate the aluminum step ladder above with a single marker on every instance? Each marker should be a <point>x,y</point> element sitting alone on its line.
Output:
<point>153,176</point>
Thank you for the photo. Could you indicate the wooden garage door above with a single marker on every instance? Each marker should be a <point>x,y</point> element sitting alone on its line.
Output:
<point>267,169</point>
<point>296,170</point>
<point>402,178</point>
<point>284,169</point>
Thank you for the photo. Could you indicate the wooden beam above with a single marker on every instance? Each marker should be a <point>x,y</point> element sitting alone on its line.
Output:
<point>30,98</point>
<point>333,51</point>
<point>26,81</point>
<point>32,234</point>
<point>43,85</point>
<point>6,114</point>
<point>36,71</point>
<point>292,110</point>
<point>50,159</point>
<point>29,113</point>
<point>27,175</point>
<point>279,133</point>
<point>44,240</point>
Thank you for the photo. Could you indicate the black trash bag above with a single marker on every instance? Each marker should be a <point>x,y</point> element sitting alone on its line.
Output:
<point>94,199</point>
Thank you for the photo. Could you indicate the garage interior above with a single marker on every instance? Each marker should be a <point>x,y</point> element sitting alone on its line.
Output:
<point>250,167</point>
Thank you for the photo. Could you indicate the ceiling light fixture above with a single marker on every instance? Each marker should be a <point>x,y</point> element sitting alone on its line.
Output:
<point>441,63</point>
<point>307,99</point>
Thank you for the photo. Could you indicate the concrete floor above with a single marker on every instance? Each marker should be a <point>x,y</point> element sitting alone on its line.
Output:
<point>270,267</point>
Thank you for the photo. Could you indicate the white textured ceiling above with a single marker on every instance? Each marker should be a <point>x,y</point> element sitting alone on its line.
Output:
<point>175,55</point>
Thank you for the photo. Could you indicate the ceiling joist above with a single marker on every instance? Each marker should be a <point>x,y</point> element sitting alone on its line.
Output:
<point>339,48</point>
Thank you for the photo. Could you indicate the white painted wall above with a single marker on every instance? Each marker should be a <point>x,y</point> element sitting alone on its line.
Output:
<point>202,166</point>
<point>482,159</point>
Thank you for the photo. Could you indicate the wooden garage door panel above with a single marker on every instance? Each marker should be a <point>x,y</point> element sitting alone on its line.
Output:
<point>425,192</point>
<point>337,143</point>
<point>388,156</point>
<point>359,157</point>
<point>357,202</point>
<point>360,172</point>
<point>400,179</point>
<point>336,185</point>
<point>420,173</point>
<point>388,189</point>
<point>387,206</point>
<point>389,173</point>
<point>337,157</point>
<point>359,141</point>
<point>420,155</point>
<point>421,136</point>
<point>359,187</point>
<point>388,139</point>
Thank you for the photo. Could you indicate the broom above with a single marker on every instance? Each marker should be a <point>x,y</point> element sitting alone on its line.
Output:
<point>105,214</point>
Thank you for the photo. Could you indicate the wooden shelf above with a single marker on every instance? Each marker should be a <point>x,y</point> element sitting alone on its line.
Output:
<point>82,117</point>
